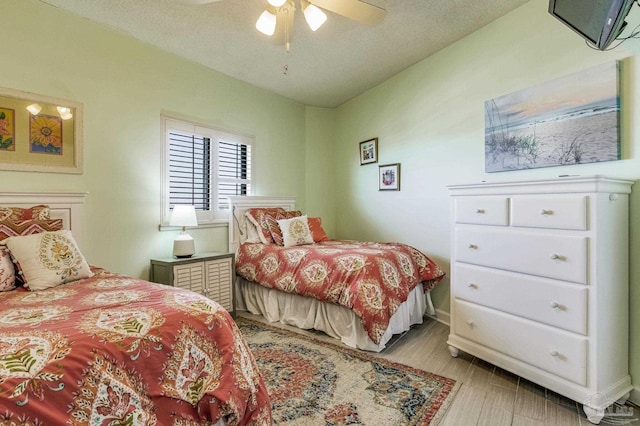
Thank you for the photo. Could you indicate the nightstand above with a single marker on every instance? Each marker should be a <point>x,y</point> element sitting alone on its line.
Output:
<point>210,274</point>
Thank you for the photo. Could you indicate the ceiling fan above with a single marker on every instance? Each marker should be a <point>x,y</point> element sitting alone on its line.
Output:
<point>278,16</point>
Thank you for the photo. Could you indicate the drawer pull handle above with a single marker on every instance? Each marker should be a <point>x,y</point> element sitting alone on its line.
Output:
<point>555,256</point>
<point>473,285</point>
<point>545,212</point>
<point>553,353</point>
<point>555,305</point>
<point>470,323</point>
<point>480,211</point>
<point>473,246</point>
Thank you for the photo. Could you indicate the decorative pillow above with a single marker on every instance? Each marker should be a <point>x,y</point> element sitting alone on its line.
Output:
<point>274,228</point>
<point>48,259</point>
<point>7,273</point>
<point>10,228</point>
<point>295,231</point>
<point>315,226</point>
<point>257,217</point>
<point>17,214</point>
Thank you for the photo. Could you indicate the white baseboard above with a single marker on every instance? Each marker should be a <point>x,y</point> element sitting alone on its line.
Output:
<point>634,397</point>
<point>441,316</point>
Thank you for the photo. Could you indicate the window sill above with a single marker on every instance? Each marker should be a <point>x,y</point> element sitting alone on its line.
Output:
<point>218,223</point>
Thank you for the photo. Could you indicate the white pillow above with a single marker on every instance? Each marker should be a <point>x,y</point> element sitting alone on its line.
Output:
<point>48,259</point>
<point>295,231</point>
<point>252,233</point>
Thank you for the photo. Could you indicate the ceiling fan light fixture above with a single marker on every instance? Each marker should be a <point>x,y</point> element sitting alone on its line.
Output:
<point>314,16</point>
<point>277,3</point>
<point>34,109</point>
<point>65,112</point>
<point>266,23</point>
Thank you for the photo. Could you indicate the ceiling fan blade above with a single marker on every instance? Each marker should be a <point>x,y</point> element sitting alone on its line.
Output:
<point>196,2</point>
<point>353,9</point>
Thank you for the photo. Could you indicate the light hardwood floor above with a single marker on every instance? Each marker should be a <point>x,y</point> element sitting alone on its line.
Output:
<point>488,395</point>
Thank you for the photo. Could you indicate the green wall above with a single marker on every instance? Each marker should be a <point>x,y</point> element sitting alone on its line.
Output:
<point>320,137</point>
<point>124,86</point>
<point>430,118</point>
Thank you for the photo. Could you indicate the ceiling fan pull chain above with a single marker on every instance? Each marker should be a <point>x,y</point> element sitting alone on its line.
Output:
<point>286,30</point>
<point>285,70</point>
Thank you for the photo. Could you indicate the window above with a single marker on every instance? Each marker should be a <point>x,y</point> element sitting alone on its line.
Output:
<point>202,167</point>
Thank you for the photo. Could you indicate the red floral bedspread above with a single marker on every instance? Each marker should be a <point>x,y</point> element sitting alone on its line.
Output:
<point>373,279</point>
<point>116,350</point>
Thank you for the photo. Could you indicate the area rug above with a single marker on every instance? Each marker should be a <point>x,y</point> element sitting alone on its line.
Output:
<point>312,382</point>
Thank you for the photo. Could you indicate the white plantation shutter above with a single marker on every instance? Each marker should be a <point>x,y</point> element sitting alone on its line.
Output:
<point>203,166</point>
<point>234,171</point>
<point>189,170</point>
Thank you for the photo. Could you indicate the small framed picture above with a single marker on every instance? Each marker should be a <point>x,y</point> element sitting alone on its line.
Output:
<point>389,177</point>
<point>369,151</point>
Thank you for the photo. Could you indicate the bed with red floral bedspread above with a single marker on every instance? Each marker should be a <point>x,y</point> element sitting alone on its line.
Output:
<point>116,350</point>
<point>370,278</point>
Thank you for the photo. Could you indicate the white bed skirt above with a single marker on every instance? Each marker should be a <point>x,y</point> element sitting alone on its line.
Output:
<point>336,321</point>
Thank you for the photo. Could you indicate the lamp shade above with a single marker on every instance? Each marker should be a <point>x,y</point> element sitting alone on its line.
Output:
<point>266,23</point>
<point>65,112</point>
<point>314,17</point>
<point>183,215</point>
<point>34,109</point>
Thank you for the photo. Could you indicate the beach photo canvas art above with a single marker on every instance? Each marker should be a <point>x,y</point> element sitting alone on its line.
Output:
<point>571,120</point>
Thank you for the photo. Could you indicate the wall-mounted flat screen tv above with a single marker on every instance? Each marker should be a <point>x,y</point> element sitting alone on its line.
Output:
<point>599,22</point>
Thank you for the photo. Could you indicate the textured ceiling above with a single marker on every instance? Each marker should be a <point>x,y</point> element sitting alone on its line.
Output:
<point>341,60</point>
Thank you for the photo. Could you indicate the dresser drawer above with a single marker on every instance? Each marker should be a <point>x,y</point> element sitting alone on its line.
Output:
<point>482,210</point>
<point>554,303</point>
<point>558,352</point>
<point>550,212</point>
<point>554,256</point>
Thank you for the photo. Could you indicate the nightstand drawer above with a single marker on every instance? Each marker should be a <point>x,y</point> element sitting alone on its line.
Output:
<point>482,210</point>
<point>550,212</point>
<point>558,352</point>
<point>219,275</point>
<point>550,302</point>
<point>554,256</point>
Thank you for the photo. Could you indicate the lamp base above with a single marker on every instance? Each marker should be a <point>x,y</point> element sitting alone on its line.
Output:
<point>183,246</point>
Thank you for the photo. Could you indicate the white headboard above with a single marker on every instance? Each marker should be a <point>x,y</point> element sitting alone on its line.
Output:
<point>64,205</point>
<point>239,205</point>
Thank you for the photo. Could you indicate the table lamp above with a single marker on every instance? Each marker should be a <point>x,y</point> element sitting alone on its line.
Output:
<point>183,215</point>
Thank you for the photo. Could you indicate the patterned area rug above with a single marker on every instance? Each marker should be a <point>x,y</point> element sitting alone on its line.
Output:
<point>317,383</point>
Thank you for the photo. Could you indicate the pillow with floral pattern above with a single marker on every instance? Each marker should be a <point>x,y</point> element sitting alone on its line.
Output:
<point>295,231</point>
<point>48,259</point>
<point>274,228</point>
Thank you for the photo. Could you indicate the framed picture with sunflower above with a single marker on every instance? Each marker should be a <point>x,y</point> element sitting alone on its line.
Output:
<point>39,133</point>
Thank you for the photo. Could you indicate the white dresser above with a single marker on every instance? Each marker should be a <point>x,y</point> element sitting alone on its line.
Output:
<point>540,286</point>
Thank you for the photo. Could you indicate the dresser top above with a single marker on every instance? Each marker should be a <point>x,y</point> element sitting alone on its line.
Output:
<point>559,185</point>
